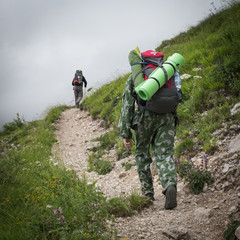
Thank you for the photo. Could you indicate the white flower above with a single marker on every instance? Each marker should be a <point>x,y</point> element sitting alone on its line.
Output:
<point>38,163</point>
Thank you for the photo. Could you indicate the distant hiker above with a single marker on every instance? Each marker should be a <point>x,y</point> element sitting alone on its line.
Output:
<point>77,83</point>
<point>154,124</point>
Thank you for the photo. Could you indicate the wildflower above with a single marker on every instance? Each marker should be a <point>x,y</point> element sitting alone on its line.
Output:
<point>60,210</point>
<point>192,163</point>
<point>57,211</point>
<point>48,206</point>
<point>62,219</point>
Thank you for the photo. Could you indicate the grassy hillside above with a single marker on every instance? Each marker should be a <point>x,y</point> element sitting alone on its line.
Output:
<point>211,48</point>
<point>41,199</point>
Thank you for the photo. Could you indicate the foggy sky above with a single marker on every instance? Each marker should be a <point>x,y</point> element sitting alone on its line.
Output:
<point>42,43</point>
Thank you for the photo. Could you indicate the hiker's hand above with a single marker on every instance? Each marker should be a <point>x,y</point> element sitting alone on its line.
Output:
<point>127,143</point>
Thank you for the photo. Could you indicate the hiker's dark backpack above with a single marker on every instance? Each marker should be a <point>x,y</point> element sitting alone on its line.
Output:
<point>78,79</point>
<point>166,99</point>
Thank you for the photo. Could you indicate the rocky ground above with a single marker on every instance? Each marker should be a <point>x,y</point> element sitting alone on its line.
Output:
<point>201,217</point>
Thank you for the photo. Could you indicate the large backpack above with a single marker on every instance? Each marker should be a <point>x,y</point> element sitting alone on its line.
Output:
<point>166,99</point>
<point>78,81</point>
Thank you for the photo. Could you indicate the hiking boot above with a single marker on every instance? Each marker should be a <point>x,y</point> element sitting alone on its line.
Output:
<point>171,197</point>
<point>150,196</point>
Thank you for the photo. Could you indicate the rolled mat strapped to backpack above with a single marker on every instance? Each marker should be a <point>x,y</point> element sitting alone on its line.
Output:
<point>146,89</point>
<point>136,68</point>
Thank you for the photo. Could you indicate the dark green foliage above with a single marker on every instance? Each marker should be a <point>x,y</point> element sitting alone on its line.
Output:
<point>119,208</point>
<point>196,176</point>
<point>229,233</point>
<point>125,206</point>
<point>197,179</point>
<point>96,160</point>
<point>184,146</point>
<point>98,164</point>
<point>128,166</point>
<point>183,168</point>
<point>14,125</point>
<point>138,202</point>
<point>107,140</point>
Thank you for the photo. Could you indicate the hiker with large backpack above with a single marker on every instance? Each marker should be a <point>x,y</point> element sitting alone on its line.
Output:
<point>154,123</point>
<point>77,83</point>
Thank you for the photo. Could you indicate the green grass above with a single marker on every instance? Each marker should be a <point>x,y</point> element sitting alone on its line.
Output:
<point>99,164</point>
<point>32,187</point>
<point>105,102</point>
<point>40,198</point>
<point>125,206</point>
<point>229,234</point>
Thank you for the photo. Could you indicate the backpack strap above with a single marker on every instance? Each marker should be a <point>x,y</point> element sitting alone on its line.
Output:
<point>141,71</point>
<point>171,65</point>
<point>146,67</point>
<point>165,74</point>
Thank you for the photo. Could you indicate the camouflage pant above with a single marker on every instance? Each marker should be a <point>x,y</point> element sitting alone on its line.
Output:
<point>157,131</point>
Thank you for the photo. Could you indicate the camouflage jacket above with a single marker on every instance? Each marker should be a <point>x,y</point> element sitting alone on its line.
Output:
<point>128,113</point>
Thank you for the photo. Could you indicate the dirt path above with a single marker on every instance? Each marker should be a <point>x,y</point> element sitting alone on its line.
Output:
<point>201,217</point>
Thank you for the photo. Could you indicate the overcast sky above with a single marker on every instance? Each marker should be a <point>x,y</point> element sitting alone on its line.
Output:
<point>42,43</point>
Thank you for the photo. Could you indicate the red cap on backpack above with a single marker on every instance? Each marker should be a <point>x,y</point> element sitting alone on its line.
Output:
<point>151,53</point>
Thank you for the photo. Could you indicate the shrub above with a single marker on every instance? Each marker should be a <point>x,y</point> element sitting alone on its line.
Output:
<point>98,164</point>
<point>229,233</point>
<point>106,141</point>
<point>125,206</point>
<point>185,145</point>
<point>196,176</point>
<point>14,125</point>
